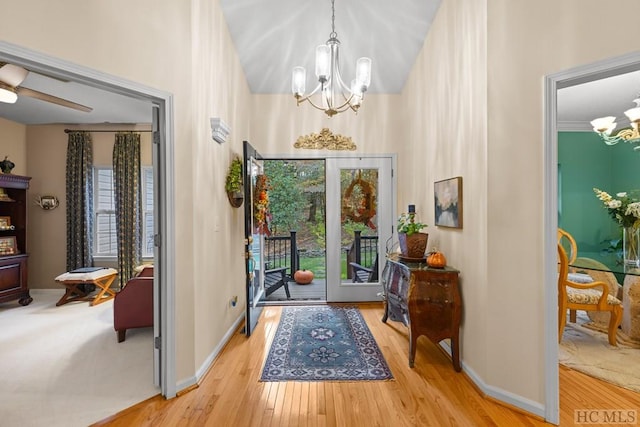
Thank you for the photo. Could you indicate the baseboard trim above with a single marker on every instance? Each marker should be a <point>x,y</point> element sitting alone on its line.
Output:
<point>497,394</point>
<point>189,383</point>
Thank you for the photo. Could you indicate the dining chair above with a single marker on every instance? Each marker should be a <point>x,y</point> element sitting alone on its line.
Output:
<point>563,236</point>
<point>592,296</point>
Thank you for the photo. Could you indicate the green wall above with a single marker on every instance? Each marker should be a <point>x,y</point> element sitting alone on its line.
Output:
<point>584,162</point>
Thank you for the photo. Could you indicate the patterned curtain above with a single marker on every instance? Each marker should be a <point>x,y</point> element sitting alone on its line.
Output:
<point>127,196</point>
<point>79,200</point>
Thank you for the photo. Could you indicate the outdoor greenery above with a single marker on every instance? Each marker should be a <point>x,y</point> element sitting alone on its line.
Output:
<point>317,265</point>
<point>293,193</point>
<point>297,203</point>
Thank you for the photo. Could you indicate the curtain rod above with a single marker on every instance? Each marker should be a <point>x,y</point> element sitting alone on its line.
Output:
<point>104,130</point>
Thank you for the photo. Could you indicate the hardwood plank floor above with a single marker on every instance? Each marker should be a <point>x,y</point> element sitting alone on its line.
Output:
<point>431,394</point>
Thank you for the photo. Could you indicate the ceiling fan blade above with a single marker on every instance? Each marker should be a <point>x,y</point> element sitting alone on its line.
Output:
<point>23,91</point>
<point>12,74</point>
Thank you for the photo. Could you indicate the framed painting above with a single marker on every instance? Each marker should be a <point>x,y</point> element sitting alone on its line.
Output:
<point>448,202</point>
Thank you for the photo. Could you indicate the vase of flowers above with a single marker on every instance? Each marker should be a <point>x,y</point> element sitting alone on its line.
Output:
<point>625,209</point>
<point>630,246</point>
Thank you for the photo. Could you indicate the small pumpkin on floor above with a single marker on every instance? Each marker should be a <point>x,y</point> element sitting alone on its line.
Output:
<point>303,277</point>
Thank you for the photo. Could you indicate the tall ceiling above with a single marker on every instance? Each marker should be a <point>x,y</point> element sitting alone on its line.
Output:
<point>273,36</point>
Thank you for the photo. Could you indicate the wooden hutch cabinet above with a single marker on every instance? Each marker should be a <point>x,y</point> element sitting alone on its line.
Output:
<point>13,239</point>
<point>425,299</point>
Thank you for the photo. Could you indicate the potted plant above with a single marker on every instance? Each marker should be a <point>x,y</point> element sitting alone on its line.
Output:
<point>234,183</point>
<point>413,243</point>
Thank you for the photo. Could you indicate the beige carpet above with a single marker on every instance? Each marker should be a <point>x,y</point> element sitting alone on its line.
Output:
<point>63,366</point>
<point>587,350</point>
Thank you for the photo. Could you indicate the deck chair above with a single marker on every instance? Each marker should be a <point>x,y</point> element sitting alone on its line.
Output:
<point>274,279</point>
<point>362,274</point>
<point>592,296</point>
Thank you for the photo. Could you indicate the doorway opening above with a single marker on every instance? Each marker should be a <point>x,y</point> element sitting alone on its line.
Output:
<point>325,221</point>
<point>553,83</point>
<point>161,112</point>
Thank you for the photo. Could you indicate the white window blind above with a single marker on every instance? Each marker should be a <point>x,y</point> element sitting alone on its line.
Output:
<point>105,239</point>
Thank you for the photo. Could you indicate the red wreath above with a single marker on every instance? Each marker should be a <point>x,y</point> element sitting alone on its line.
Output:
<point>363,208</point>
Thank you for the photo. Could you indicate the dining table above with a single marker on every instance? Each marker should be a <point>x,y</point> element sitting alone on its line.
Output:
<point>628,275</point>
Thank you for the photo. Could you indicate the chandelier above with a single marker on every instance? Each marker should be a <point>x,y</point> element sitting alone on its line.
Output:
<point>605,126</point>
<point>335,95</point>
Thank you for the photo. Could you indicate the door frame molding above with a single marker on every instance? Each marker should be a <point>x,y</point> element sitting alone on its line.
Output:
<point>552,83</point>
<point>165,264</point>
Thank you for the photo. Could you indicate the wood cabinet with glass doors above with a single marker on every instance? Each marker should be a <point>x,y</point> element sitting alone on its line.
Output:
<point>13,238</point>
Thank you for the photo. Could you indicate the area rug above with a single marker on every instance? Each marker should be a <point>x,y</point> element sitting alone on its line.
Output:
<point>588,351</point>
<point>324,343</point>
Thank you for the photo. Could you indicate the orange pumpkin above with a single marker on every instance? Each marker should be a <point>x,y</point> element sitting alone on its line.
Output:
<point>303,277</point>
<point>436,260</point>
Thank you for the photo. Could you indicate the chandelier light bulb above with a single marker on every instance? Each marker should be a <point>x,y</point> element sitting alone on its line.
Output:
<point>363,71</point>
<point>604,124</point>
<point>298,81</point>
<point>323,63</point>
<point>634,113</point>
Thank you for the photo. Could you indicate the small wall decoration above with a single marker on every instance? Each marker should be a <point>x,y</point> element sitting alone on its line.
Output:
<point>325,140</point>
<point>448,202</point>
<point>47,202</point>
<point>8,245</point>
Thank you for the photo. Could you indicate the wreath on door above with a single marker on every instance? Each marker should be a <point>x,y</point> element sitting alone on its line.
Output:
<point>261,214</point>
<point>359,203</point>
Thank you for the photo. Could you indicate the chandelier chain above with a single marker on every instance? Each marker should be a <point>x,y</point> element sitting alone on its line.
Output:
<point>333,34</point>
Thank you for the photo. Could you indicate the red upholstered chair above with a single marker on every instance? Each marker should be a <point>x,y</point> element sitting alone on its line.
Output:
<point>133,305</point>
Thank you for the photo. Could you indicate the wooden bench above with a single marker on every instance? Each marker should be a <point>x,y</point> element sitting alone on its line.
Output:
<point>274,279</point>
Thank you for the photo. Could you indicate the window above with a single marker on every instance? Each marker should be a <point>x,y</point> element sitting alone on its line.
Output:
<point>105,239</point>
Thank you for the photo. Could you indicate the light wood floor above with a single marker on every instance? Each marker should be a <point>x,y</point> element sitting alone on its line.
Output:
<point>431,394</point>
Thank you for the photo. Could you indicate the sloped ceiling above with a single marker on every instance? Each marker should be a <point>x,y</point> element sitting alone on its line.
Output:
<point>273,36</point>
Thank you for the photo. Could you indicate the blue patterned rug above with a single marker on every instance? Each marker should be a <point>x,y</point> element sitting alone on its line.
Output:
<point>324,343</point>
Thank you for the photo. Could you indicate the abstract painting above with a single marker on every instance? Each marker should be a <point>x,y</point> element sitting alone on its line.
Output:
<point>448,202</point>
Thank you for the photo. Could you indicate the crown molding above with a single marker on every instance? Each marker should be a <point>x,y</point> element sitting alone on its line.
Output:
<point>574,126</point>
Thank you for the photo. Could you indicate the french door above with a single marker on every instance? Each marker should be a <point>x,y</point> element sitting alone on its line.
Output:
<point>254,241</point>
<point>359,193</point>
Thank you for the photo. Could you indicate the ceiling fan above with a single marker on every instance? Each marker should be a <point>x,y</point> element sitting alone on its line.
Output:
<point>11,76</point>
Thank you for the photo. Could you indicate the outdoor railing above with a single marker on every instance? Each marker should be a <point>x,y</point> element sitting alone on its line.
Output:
<point>363,251</point>
<point>282,251</point>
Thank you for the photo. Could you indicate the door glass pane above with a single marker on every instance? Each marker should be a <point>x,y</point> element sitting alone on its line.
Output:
<point>359,224</point>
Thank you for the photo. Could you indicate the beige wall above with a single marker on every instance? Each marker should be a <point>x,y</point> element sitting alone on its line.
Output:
<point>13,137</point>
<point>445,102</point>
<point>276,123</point>
<point>182,48</point>
<point>46,148</point>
